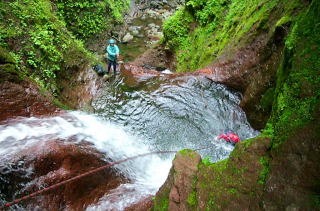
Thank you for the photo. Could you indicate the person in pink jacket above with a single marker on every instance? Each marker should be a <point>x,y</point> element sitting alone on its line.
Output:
<point>229,137</point>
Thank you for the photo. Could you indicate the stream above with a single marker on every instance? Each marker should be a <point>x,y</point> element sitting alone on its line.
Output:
<point>161,114</point>
<point>158,114</point>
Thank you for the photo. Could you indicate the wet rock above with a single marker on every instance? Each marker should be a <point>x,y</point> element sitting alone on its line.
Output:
<point>144,17</point>
<point>77,86</point>
<point>250,70</point>
<point>180,180</point>
<point>58,160</point>
<point>166,15</point>
<point>142,205</point>
<point>156,57</point>
<point>134,76</point>
<point>127,38</point>
<point>140,35</point>
<point>24,100</point>
<point>151,25</point>
<point>135,33</point>
<point>20,97</point>
<point>295,170</point>
<point>134,28</point>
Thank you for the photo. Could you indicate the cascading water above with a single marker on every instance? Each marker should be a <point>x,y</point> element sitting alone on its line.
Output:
<point>158,115</point>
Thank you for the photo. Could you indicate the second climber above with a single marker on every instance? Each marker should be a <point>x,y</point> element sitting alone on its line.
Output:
<point>113,53</point>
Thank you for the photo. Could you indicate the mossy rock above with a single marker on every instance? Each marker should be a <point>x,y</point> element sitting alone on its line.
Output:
<point>9,73</point>
<point>5,57</point>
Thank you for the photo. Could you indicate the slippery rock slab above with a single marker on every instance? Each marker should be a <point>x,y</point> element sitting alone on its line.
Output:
<point>23,100</point>
<point>56,161</point>
<point>180,182</point>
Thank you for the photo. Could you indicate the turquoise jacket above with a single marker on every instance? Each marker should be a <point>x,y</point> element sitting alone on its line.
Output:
<point>112,52</point>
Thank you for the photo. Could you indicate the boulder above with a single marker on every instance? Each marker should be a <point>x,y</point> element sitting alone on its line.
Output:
<point>180,181</point>
<point>127,38</point>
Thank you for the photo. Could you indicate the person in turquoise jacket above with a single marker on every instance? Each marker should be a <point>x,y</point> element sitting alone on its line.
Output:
<point>113,53</point>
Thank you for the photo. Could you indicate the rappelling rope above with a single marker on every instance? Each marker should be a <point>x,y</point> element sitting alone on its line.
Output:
<point>9,204</point>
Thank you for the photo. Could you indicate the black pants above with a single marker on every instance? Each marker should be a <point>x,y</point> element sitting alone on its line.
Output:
<point>114,66</point>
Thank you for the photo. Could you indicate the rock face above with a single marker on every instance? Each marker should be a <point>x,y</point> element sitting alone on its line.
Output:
<point>143,205</point>
<point>127,38</point>
<point>194,185</point>
<point>279,169</point>
<point>157,57</point>
<point>23,100</point>
<point>180,182</point>
<point>56,161</point>
<point>293,181</point>
<point>18,95</point>
<point>251,70</point>
<point>78,85</point>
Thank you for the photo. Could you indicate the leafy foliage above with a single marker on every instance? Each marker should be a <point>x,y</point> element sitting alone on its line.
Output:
<point>37,36</point>
<point>221,24</point>
<point>176,28</point>
<point>92,16</point>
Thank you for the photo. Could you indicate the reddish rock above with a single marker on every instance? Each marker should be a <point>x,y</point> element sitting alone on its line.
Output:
<point>157,57</point>
<point>23,99</point>
<point>78,86</point>
<point>179,183</point>
<point>143,205</point>
<point>135,75</point>
<point>58,160</point>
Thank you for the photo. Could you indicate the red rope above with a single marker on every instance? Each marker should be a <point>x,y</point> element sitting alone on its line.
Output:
<point>9,204</point>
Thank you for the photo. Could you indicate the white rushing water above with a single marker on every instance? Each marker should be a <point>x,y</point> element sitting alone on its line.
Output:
<point>133,122</point>
<point>147,174</point>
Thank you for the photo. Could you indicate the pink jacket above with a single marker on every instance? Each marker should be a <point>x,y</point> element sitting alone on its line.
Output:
<point>230,137</point>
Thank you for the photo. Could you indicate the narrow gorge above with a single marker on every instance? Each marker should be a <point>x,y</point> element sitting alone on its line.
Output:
<point>188,71</point>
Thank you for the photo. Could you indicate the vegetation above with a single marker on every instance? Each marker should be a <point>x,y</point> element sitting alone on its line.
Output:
<point>297,93</point>
<point>161,203</point>
<point>41,34</point>
<point>93,17</point>
<point>211,28</point>
<point>202,30</point>
<point>264,161</point>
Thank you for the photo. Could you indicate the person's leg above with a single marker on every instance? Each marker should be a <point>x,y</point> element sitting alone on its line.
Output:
<point>114,67</point>
<point>109,66</point>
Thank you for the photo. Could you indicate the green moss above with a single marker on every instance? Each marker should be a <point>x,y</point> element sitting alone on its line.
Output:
<point>264,161</point>
<point>298,83</point>
<point>267,99</point>
<point>192,199</point>
<point>161,203</point>
<point>221,24</point>
<point>206,161</point>
<point>9,73</point>
<point>187,152</point>
<point>232,191</point>
<point>59,104</point>
<point>210,205</point>
<point>247,143</point>
<point>5,57</point>
<point>315,200</point>
<point>39,43</point>
<point>8,70</point>
<point>176,28</point>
